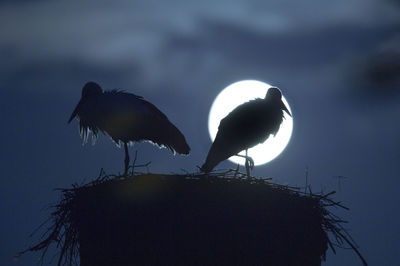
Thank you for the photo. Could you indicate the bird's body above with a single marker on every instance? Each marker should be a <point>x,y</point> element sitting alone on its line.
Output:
<point>249,124</point>
<point>126,118</point>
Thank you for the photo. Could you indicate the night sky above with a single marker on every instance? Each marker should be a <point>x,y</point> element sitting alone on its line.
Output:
<point>337,63</point>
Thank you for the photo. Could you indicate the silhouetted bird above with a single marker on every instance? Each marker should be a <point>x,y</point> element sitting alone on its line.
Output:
<point>246,126</point>
<point>126,118</point>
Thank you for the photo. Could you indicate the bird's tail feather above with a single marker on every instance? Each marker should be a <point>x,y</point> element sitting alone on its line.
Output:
<point>173,139</point>
<point>178,142</point>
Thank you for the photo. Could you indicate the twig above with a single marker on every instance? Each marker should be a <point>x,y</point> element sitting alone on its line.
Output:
<point>63,234</point>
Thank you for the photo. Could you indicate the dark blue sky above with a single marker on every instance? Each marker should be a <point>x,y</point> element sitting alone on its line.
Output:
<point>338,64</point>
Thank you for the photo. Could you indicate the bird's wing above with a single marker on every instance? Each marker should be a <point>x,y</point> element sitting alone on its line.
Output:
<point>117,101</point>
<point>119,112</point>
<point>246,126</point>
<point>153,109</point>
<point>128,117</point>
<point>232,135</point>
<point>158,129</point>
<point>243,119</point>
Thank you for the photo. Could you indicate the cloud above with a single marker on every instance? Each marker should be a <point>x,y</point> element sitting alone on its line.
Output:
<point>64,78</point>
<point>310,47</point>
<point>376,75</point>
<point>381,73</point>
<point>131,31</point>
<point>385,69</point>
<point>153,43</point>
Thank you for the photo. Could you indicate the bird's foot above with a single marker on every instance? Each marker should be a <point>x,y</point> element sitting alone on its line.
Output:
<point>249,165</point>
<point>250,162</point>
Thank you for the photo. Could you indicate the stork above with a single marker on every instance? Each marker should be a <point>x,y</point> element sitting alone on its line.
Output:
<point>126,118</point>
<point>246,126</point>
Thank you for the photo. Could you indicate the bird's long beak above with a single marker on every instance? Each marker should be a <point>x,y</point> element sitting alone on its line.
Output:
<point>284,108</point>
<point>75,112</point>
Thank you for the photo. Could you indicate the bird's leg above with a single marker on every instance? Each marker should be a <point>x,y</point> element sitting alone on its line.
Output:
<point>249,163</point>
<point>126,159</point>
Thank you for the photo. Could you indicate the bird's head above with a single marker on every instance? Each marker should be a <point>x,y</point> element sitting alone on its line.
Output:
<point>90,90</point>
<point>274,94</point>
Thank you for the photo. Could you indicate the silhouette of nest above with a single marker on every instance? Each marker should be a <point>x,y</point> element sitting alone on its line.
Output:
<point>103,207</point>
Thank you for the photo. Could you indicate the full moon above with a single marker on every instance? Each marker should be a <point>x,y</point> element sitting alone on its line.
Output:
<point>241,92</point>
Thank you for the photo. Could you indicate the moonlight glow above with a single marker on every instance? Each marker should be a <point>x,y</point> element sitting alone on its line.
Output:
<point>238,93</point>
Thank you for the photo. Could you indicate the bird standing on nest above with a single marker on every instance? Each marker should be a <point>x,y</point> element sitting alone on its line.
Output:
<point>246,126</point>
<point>126,118</point>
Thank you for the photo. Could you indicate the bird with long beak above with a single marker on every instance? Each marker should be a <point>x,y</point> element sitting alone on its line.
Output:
<point>249,124</point>
<point>126,118</point>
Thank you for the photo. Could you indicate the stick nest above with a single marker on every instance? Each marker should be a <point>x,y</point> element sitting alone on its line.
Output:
<point>190,215</point>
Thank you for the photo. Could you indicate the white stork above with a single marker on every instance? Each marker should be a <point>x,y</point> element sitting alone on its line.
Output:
<point>126,118</point>
<point>246,126</point>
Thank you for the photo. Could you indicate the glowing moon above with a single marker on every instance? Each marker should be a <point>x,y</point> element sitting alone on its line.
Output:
<point>238,93</point>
